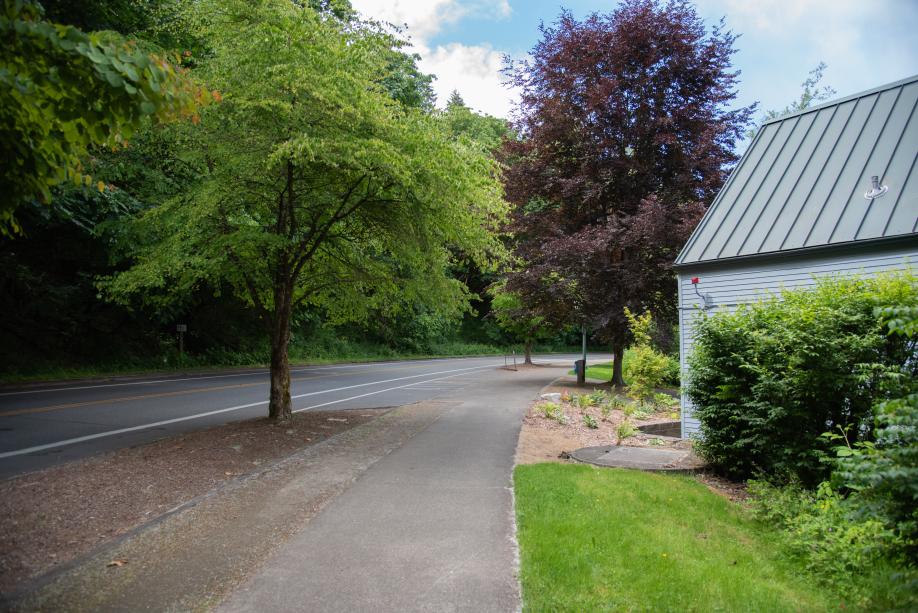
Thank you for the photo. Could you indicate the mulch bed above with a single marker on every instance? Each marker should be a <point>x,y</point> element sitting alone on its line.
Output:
<point>55,515</point>
<point>607,432</point>
<point>544,439</point>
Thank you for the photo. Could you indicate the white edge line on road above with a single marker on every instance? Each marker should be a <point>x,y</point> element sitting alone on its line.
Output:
<point>349,387</point>
<point>325,404</point>
<point>90,437</point>
<point>242,374</point>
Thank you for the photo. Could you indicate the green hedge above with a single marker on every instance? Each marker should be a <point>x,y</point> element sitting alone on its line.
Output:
<point>768,379</point>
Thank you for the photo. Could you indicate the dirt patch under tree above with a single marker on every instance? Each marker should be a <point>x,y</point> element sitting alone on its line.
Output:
<point>52,516</point>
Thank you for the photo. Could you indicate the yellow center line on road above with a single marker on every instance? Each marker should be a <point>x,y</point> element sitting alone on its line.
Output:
<point>88,403</point>
<point>166,422</point>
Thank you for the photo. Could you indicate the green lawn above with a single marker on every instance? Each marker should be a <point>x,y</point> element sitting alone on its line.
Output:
<point>598,371</point>
<point>596,539</point>
<point>602,371</point>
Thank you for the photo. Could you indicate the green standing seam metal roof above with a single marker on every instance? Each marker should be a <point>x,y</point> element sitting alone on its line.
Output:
<point>801,183</point>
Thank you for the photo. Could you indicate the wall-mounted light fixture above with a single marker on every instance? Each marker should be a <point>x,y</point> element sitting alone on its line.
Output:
<point>706,300</point>
<point>876,190</point>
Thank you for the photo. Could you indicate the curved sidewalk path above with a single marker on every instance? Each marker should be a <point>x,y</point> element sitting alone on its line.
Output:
<point>428,527</point>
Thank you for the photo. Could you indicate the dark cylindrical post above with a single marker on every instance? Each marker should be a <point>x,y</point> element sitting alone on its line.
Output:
<point>181,329</point>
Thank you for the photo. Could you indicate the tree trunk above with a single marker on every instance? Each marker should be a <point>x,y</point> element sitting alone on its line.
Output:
<point>280,408</point>
<point>528,349</point>
<point>618,356</point>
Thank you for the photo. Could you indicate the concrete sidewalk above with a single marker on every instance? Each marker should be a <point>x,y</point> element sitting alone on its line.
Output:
<point>429,527</point>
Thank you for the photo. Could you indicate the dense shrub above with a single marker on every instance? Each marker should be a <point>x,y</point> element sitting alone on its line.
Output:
<point>883,476</point>
<point>672,373</point>
<point>857,557</point>
<point>769,378</point>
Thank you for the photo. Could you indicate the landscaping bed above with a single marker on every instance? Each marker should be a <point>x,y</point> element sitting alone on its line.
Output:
<point>596,539</point>
<point>52,516</point>
<point>592,416</point>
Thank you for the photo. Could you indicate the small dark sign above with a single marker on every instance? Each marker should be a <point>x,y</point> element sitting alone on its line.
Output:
<point>181,328</point>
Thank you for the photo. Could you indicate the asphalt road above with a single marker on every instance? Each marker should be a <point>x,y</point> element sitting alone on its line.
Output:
<point>47,425</point>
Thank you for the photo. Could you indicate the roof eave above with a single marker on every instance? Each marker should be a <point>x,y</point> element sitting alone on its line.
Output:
<point>880,244</point>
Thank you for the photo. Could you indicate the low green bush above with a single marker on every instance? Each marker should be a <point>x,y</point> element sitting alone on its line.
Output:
<point>550,410</point>
<point>663,402</point>
<point>590,422</point>
<point>646,369</point>
<point>857,557</point>
<point>599,397</point>
<point>769,378</point>
<point>605,411</point>
<point>858,532</point>
<point>626,430</point>
<point>553,411</point>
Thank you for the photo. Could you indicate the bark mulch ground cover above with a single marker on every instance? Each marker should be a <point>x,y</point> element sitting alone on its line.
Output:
<point>52,516</point>
<point>550,439</point>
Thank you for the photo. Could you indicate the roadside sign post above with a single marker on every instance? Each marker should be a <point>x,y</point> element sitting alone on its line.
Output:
<point>181,329</point>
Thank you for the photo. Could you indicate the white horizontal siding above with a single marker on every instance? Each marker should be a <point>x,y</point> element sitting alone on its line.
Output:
<point>736,286</point>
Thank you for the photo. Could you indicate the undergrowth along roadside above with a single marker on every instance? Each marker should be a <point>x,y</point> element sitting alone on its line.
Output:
<point>171,363</point>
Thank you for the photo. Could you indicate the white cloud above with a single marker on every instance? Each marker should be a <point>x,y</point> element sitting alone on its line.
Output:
<point>865,44</point>
<point>833,27</point>
<point>472,70</point>
<point>426,18</point>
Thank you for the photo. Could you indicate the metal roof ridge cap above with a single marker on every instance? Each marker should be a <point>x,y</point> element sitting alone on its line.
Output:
<point>831,103</point>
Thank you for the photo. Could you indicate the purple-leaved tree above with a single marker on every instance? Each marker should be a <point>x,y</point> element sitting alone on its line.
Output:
<point>625,135</point>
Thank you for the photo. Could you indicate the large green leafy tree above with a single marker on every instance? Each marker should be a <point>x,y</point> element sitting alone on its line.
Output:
<point>316,187</point>
<point>63,92</point>
<point>515,317</point>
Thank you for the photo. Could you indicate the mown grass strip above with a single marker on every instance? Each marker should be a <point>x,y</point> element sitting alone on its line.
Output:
<point>614,540</point>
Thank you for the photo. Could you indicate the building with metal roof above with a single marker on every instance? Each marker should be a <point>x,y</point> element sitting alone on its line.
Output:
<point>829,190</point>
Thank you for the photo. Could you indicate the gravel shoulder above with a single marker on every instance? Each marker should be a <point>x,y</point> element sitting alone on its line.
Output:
<point>53,516</point>
<point>240,491</point>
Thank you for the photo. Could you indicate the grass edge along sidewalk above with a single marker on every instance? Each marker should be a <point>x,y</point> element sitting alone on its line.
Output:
<point>596,539</point>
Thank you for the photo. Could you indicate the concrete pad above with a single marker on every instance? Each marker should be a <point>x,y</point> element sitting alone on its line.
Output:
<point>641,458</point>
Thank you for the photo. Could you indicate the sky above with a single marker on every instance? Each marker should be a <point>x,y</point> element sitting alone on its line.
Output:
<point>865,43</point>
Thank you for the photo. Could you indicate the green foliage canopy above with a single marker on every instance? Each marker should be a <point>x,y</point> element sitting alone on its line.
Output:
<point>63,91</point>
<point>315,186</point>
<point>514,317</point>
<point>884,475</point>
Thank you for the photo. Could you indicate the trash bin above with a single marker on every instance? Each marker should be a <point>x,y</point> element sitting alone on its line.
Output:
<point>580,369</point>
